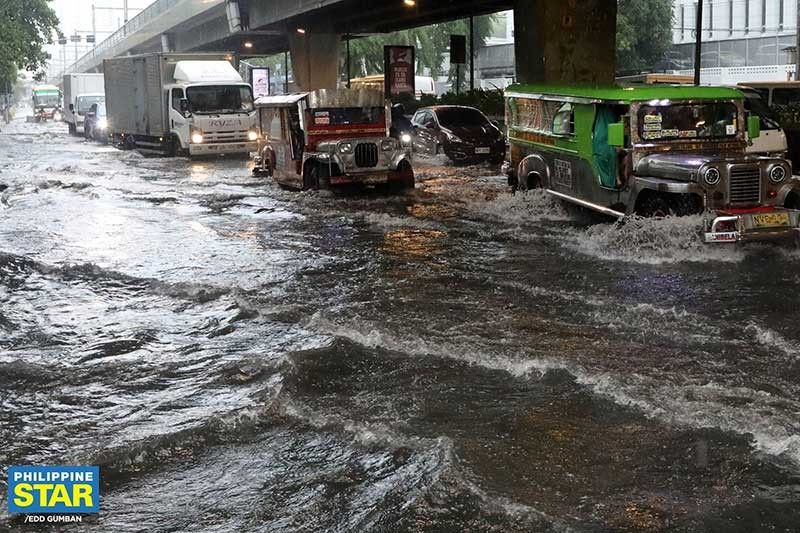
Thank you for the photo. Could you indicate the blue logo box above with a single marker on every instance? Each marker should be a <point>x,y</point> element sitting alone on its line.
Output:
<point>54,489</point>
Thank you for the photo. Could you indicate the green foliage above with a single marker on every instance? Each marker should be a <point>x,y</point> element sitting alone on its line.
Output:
<point>431,42</point>
<point>644,33</point>
<point>25,27</point>
<point>788,116</point>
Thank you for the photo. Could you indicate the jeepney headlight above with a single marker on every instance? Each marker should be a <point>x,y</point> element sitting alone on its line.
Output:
<point>405,138</point>
<point>346,148</point>
<point>711,176</point>
<point>387,145</point>
<point>252,135</point>
<point>777,174</point>
<point>197,137</point>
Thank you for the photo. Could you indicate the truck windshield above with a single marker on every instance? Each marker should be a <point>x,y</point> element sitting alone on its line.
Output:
<point>46,99</point>
<point>341,116</point>
<point>215,99</point>
<point>718,120</point>
<point>85,102</point>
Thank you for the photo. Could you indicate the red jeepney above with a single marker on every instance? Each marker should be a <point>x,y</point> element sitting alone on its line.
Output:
<point>329,138</point>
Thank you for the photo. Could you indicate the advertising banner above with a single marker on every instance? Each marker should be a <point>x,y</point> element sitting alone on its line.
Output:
<point>399,70</point>
<point>260,78</point>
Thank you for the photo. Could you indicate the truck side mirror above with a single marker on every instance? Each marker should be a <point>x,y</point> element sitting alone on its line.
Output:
<point>616,134</point>
<point>72,108</point>
<point>753,127</point>
<point>184,106</point>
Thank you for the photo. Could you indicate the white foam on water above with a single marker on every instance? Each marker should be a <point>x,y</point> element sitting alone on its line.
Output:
<point>684,405</point>
<point>772,339</point>
<point>652,241</point>
<point>520,208</point>
<point>387,221</point>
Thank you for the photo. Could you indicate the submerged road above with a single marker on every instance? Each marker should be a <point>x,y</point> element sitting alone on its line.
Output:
<point>241,358</point>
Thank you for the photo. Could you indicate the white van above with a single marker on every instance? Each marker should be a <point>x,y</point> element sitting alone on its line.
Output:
<point>772,141</point>
<point>424,85</point>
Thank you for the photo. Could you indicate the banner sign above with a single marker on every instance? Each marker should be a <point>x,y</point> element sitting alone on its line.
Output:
<point>260,79</point>
<point>399,70</point>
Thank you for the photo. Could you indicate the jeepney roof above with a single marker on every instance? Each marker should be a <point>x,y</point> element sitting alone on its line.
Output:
<point>626,95</point>
<point>346,98</point>
<point>280,100</point>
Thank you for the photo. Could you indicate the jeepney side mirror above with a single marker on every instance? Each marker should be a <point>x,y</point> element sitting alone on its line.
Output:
<point>616,134</point>
<point>184,106</point>
<point>753,127</point>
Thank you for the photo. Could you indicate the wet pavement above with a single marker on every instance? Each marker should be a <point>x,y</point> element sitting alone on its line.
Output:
<point>237,357</point>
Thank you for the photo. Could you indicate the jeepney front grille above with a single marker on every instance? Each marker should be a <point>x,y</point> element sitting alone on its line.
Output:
<point>745,184</point>
<point>366,155</point>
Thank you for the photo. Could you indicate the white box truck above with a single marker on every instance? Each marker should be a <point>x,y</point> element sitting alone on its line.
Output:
<point>80,92</point>
<point>179,103</point>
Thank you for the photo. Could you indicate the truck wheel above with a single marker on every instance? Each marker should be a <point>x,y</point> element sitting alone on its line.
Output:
<point>129,143</point>
<point>173,147</point>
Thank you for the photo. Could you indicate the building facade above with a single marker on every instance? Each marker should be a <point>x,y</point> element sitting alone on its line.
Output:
<point>736,33</point>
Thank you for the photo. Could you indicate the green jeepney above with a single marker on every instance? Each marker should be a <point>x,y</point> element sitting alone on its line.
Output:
<point>652,151</point>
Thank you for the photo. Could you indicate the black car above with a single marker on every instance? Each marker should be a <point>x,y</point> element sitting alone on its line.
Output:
<point>95,124</point>
<point>463,134</point>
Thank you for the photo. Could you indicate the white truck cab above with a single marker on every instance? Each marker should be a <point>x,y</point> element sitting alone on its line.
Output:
<point>211,109</point>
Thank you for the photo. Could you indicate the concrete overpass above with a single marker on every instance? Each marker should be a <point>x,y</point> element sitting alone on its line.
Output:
<point>555,39</point>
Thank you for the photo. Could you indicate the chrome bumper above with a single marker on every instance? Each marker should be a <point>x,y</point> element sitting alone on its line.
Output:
<point>746,230</point>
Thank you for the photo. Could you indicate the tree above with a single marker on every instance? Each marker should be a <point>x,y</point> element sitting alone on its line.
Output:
<point>431,42</point>
<point>25,27</point>
<point>644,33</point>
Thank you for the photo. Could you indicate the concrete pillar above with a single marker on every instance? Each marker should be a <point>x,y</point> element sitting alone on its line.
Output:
<point>166,43</point>
<point>315,60</point>
<point>565,41</point>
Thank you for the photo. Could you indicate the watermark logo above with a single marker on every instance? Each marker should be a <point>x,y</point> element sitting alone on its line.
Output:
<point>54,489</point>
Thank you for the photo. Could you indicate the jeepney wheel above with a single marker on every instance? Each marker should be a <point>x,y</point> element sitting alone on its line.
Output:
<point>792,201</point>
<point>315,177</point>
<point>655,206</point>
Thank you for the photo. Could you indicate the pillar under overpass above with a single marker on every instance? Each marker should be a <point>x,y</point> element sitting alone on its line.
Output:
<point>565,41</point>
<point>315,59</point>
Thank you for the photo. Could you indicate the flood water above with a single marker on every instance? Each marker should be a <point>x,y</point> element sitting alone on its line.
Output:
<point>241,358</point>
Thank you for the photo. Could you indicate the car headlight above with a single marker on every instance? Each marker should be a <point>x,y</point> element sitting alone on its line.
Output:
<point>405,138</point>
<point>346,148</point>
<point>777,174</point>
<point>102,123</point>
<point>452,137</point>
<point>197,137</point>
<point>711,176</point>
<point>252,135</point>
<point>387,145</point>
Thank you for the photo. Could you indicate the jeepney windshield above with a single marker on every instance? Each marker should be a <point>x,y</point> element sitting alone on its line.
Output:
<point>342,116</point>
<point>220,99</point>
<point>48,99</point>
<point>716,120</point>
<point>85,102</point>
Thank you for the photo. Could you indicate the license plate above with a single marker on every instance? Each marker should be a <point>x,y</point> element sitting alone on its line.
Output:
<point>771,220</point>
<point>482,150</point>
<point>374,179</point>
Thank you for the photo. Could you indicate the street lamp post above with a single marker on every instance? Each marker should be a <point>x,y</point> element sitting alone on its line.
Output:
<point>698,46</point>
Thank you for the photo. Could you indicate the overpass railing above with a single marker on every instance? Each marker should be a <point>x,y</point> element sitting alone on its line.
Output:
<point>106,48</point>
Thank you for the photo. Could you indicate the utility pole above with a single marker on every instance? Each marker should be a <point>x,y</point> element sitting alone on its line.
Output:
<point>472,53</point>
<point>698,46</point>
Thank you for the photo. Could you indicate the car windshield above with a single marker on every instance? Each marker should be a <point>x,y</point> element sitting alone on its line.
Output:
<point>718,120</point>
<point>342,116</point>
<point>85,102</point>
<point>47,99</point>
<point>459,117</point>
<point>217,99</point>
